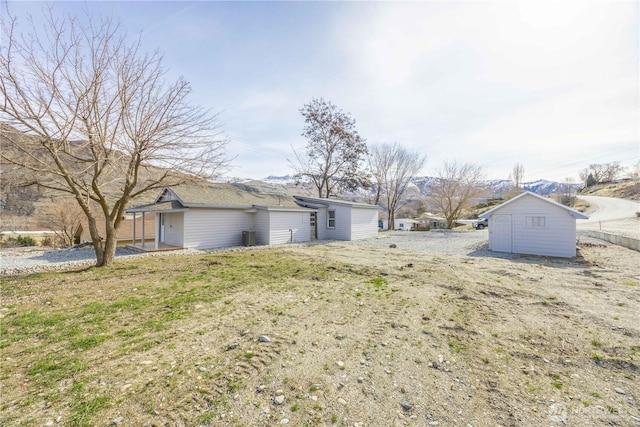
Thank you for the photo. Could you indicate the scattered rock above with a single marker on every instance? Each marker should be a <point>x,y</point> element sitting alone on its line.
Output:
<point>284,421</point>
<point>619,390</point>
<point>393,245</point>
<point>342,401</point>
<point>233,346</point>
<point>406,406</point>
<point>116,421</point>
<point>261,388</point>
<point>278,400</point>
<point>340,364</point>
<point>264,338</point>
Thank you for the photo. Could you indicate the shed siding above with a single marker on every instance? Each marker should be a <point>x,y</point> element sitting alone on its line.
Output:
<point>364,223</point>
<point>215,228</point>
<point>286,227</point>
<point>174,228</point>
<point>556,238</point>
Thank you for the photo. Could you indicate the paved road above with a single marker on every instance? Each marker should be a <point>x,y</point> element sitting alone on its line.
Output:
<point>611,215</point>
<point>607,208</point>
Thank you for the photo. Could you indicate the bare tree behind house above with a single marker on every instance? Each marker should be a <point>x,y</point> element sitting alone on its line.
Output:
<point>517,174</point>
<point>455,185</point>
<point>598,173</point>
<point>392,168</point>
<point>87,113</point>
<point>64,218</point>
<point>334,154</point>
<point>565,193</point>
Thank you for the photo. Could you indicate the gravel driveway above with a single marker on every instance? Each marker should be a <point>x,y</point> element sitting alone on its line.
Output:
<point>444,242</point>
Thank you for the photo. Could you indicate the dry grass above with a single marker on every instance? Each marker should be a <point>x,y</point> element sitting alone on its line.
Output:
<point>356,336</point>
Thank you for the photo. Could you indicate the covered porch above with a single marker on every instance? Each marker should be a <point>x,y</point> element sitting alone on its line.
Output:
<point>141,235</point>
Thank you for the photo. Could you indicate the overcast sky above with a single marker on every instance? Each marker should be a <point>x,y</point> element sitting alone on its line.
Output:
<point>552,85</point>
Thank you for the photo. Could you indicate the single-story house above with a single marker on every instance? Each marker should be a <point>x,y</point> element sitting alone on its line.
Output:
<point>405,224</point>
<point>341,220</point>
<point>433,222</point>
<point>221,215</point>
<point>532,224</point>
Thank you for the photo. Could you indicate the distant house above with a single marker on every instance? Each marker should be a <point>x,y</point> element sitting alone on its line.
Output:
<point>405,224</point>
<point>532,224</point>
<point>432,222</point>
<point>341,220</point>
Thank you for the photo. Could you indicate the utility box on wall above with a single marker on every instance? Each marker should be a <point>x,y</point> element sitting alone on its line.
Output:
<point>248,238</point>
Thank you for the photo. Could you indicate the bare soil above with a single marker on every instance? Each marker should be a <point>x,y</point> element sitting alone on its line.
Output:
<point>357,336</point>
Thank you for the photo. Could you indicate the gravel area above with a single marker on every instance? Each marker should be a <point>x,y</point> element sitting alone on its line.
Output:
<point>472,243</point>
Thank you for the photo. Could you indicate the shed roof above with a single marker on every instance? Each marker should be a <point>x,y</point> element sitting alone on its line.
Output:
<point>572,212</point>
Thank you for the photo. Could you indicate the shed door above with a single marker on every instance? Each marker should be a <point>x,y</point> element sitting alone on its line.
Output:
<point>501,233</point>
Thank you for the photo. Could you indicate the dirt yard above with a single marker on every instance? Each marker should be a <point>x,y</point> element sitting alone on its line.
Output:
<point>332,334</point>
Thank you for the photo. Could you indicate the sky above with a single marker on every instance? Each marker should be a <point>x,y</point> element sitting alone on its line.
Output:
<point>553,85</point>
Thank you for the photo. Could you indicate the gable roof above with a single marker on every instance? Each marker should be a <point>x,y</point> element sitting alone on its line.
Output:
<point>316,202</point>
<point>572,212</point>
<point>215,195</point>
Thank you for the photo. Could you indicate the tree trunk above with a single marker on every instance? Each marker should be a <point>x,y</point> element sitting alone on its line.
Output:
<point>109,254</point>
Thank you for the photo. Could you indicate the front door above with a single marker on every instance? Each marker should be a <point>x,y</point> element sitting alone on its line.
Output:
<point>500,233</point>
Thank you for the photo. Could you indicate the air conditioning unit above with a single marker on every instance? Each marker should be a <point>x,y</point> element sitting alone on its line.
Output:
<point>248,238</point>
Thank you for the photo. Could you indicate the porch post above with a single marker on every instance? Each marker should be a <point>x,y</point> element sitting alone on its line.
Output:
<point>158,219</point>
<point>134,229</point>
<point>143,229</point>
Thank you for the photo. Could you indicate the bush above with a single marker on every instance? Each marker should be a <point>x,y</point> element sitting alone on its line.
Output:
<point>21,241</point>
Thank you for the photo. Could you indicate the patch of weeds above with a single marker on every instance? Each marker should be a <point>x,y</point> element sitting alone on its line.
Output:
<point>378,282</point>
<point>206,419</point>
<point>234,386</point>
<point>314,387</point>
<point>249,355</point>
<point>596,394</point>
<point>334,419</point>
<point>83,412</point>
<point>597,357</point>
<point>597,343</point>
<point>325,367</point>
<point>628,283</point>
<point>485,360</point>
<point>556,381</point>
<point>455,346</point>
<point>85,343</point>
<point>612,410</point>
<point>616,318</point>
<point>295,407</point>
<point>51,369</point>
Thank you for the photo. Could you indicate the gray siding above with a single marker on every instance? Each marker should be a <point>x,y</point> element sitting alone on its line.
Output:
<point>342,230</point>
<point>261,227</point>
<point>215,228</point>
<point>288,227</point>
<point>364,223</point>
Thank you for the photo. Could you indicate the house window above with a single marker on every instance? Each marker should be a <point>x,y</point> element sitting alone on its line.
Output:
<point>331,219</point>
<point>536,221</point>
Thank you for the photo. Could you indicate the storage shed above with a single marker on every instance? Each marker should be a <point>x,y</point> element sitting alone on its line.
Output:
<point>532,224</point>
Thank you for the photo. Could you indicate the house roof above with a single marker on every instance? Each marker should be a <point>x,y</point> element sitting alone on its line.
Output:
<point>216,195</point>
<point>572,212</point>
<point>316,202</point>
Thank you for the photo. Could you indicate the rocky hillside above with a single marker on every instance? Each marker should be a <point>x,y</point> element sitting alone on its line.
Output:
<point>628,189</point>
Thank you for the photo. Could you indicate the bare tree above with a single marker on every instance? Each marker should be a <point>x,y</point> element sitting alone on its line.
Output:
<point>64,218</point>
<point>600,172</point>
<point>456,184</point>
<point>335,151</point>
<point>89,114</point>
<point>517,174</point>
<point>565,193</point>
<point>392,168</point>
